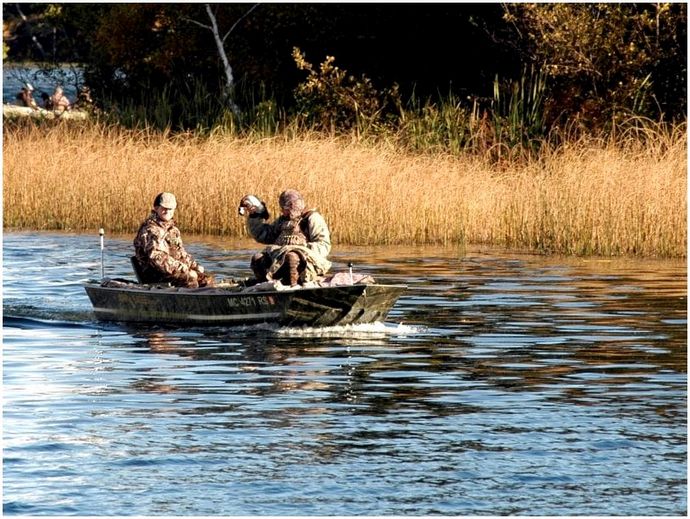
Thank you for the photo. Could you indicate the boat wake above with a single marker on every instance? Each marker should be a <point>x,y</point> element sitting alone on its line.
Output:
<point>32,317</point>
<point>28,316</point>
<point>369,330</point>
<point>35,323</point>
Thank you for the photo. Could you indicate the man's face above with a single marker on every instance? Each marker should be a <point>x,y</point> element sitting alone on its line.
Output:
<point>164,214</point>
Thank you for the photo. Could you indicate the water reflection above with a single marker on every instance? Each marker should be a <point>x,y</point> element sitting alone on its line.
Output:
<point>378,370</point>
<point>501,384</point>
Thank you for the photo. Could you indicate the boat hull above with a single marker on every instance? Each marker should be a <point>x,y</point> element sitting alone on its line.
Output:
<point>15,112</point>
<point>318,306</point>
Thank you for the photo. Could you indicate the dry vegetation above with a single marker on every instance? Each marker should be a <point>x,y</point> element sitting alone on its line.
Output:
<point>589,197</point>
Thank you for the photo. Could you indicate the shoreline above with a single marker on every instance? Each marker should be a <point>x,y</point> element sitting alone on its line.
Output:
<point>452,249</point>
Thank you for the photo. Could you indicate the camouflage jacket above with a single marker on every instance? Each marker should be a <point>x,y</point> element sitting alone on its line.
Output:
<point>160,253</point>
<point>312,226</point>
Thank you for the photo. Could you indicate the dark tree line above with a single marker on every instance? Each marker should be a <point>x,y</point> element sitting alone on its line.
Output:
<point>597,58</point>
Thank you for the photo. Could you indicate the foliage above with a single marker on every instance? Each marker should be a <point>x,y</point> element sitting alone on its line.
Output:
<point>518,110</point>
<point>444,126</point>
<point>480,77</point>
<point>329,98</point>
<point>607,58</point>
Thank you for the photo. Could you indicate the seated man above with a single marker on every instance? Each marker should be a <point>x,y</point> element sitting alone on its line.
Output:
<point>26,96</point>
<point>159,253</point>
<point>298,241</point>
<point>59,100</point>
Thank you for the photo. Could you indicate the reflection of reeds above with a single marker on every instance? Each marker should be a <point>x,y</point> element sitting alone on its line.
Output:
<point>586,197</point>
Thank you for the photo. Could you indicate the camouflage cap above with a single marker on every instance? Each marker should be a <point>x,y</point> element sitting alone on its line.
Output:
<point>166,200</point>
<point>292,200</point>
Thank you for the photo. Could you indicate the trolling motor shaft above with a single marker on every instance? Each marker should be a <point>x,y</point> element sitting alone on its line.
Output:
<point>101,232</point>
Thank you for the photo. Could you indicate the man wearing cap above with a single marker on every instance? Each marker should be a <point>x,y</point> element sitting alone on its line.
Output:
<point>26,96</point>
<point>59,100</point>
<point>299,241</point>
<point>159,252</point>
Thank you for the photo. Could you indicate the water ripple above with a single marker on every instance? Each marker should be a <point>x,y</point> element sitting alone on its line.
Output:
<point>501,384</point>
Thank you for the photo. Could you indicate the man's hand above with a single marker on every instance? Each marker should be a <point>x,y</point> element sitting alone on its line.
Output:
<point>251,205</point>
<point>206,280</point>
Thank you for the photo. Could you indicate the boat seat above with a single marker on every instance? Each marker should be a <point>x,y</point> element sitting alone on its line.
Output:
<point>137,269</point>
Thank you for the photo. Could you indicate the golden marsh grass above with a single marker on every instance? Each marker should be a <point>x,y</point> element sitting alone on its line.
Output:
<point>588,197</point>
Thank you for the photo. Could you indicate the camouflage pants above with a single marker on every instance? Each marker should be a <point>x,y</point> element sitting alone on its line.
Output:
<point>288,272</point>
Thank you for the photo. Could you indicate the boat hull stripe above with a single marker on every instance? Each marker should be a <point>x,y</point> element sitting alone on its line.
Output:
<point>195,317</point>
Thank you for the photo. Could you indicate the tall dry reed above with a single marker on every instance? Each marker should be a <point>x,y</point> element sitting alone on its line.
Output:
<point>586,197</point>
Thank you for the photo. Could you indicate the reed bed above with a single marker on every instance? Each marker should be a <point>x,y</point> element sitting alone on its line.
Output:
<point>625,196</point>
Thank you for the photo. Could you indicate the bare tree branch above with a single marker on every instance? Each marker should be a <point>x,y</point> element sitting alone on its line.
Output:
<point>238,21</point>
<point>197,23</point>
<point>28,25</point>
<point>220,45</point>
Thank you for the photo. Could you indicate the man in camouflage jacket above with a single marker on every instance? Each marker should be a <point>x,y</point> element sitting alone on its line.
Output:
<point>299,241</point>
<point>160,254</point>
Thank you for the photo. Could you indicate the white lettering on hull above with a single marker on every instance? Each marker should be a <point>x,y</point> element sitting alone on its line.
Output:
<point>250,301</point>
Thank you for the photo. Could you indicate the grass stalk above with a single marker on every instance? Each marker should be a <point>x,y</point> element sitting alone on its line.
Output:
<point>584,197</point>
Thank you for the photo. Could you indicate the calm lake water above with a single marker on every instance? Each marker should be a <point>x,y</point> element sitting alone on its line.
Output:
<point>14,77</point>
<point>502,383</point>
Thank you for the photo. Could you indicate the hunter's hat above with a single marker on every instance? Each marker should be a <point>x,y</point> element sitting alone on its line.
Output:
<point>293,201</point>
<point>166,200</point>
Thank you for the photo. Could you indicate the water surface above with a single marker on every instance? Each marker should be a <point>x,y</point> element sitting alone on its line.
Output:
<point>14,77</point>
<point>501,383</point>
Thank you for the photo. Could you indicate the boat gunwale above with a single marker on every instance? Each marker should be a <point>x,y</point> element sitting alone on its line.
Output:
<point>229,291</point>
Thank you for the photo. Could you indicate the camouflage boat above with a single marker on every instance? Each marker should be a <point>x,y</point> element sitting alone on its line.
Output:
<point>318,304</point>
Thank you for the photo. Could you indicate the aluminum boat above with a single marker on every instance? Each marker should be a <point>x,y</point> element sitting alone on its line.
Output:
<point>334,301</point>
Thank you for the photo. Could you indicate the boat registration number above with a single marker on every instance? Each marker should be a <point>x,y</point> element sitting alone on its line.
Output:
<point>258,301</point>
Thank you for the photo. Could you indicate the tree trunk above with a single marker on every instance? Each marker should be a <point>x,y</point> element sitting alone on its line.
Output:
<point>229,90</point>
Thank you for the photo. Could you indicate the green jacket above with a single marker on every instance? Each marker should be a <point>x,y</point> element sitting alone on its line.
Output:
<point>315,252</point>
